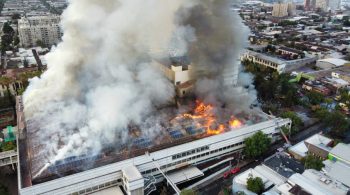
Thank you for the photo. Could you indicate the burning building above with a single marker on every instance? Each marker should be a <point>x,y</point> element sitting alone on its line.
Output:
<point>100,115</point>
<point>188,140</point>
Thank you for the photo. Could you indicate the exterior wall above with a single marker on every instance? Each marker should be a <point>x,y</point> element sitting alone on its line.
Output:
<point>280,10</point>
<point>262,62</point>
<point>316,151</point>
<point>322,4</point>
<point>44,28</point>
<point>13,87</point>
<point>168,159</point>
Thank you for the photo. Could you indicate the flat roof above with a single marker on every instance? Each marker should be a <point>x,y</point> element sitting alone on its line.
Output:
<point>342,151</point>
<point>338,171</point>
<point>74,165</point>
<point>284,165</point>
<point>109,191</point>
<point>308,185</point>
<point>184,175</point>
<point>132,173</point>
<point>335,61</point>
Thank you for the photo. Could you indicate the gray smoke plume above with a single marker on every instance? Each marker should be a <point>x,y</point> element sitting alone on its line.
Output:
<point>100,78</point>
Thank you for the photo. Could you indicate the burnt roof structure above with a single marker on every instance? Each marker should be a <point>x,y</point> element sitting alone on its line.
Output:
<point>33,156</point>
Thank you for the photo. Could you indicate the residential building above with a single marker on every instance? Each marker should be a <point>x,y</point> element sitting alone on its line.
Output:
<point>178,70</point>
<point>278,64</point>
<point>330,63</point>
<point>322,4</point>
<point>45,29</point>
<point>317,145</point>
<point>283,9</point>
<point>280,10</point>
<point>315,182</point>
<point>334,4</point>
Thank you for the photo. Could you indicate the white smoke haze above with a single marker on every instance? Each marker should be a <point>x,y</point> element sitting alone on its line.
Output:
<point>100,78</point>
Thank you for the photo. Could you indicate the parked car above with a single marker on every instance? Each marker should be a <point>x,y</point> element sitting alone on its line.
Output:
<point>231,172</point>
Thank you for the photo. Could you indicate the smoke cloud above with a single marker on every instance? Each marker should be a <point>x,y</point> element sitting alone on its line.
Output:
<point>100,78</point>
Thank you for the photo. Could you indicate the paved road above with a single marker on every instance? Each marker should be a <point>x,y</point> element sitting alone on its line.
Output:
<point>316,128</point>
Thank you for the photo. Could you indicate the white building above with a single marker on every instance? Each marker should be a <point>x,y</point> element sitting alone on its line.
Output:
<point>283,9</point>
<point>275,63</point>
<point>178,71</point>
<point>39,28</point>
<point>280,10</point>
<point>315,182</point>
<point>330,63</point>
<point>322,4</point>
<point>137,173</point>
<point>334,5</point>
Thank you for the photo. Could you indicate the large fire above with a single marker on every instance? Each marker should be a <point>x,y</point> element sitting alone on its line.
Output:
<point>205,117</point>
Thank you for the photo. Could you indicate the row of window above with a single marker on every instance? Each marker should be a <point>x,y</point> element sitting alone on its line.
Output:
<point>183,154</point>
<point>97,188</point>
<point>192,158</point>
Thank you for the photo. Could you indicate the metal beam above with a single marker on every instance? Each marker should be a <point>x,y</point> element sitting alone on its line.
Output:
<point>177,190</point>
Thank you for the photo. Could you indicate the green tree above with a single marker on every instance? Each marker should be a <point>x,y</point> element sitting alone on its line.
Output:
<point>8,146</point>
<point>188,192</point>
<point>296,120</point>
<point>4,190</point>
<point>255,185</point>
<point>16,40</point>
<point>315,98</point>
<point>7,29</point>
<point>256,145</point>
<point>338,123</point>
<point>312,162</point>
<point>16,16</point>
<point>40,43</point>
<point>24,77</point>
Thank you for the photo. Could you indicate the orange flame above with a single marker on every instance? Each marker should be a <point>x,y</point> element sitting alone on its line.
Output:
<point>235,123</point>
<point>204,116</point>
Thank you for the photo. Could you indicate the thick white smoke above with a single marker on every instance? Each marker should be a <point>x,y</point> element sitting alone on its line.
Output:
<point>100,79</point>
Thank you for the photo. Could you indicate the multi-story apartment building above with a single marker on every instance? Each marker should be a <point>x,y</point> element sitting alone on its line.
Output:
<point>39,28</point>
<point>283,9</point>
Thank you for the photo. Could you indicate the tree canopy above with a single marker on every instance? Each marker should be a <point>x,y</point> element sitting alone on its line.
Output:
<point>296,120</point>
<point>312,162</point>
<point>315,98</point>
<point>3,190</point>
<point>256,145</point>
<point>255,185</point>
<point>188,192</point>
<point>7,29</point>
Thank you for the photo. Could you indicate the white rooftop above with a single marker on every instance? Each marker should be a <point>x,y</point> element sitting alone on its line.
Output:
<point>299,148</point>
<point>316,140</point>
<point>132,173</point>
<point>109,191</point>
<point>342,151</point>
<point>325,182</point>
<point>334,61</point>
<point>184,175</point>
<point>338,171</point>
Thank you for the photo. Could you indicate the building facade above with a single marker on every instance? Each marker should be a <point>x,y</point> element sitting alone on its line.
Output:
<point>280,10</point>
<point>44,29</point>
<point>135,175</point>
